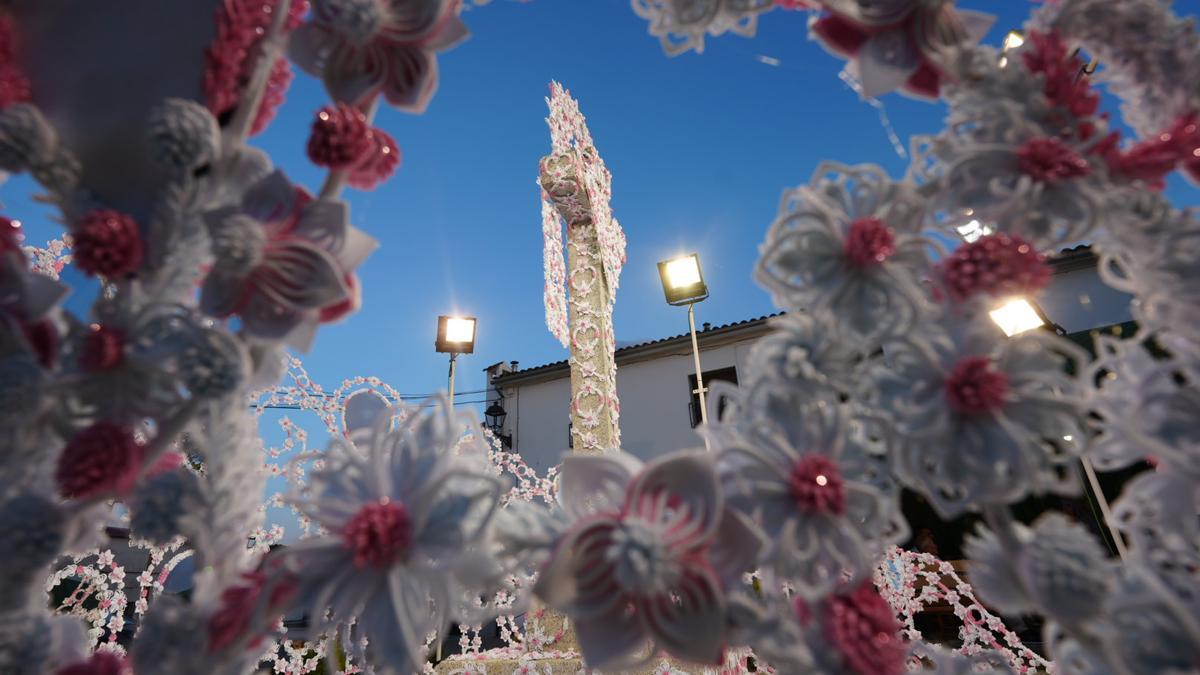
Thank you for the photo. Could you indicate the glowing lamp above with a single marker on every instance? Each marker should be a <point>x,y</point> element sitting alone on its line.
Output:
<point>1016,315</point>
<point>682,280</point>
<point>455,335</point>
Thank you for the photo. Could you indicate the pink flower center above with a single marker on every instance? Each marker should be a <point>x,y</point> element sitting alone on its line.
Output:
<point>995,264</point>
<point>341,137</point>
<point>379,534</point>
<point>103,348</point>
<point>817,486</point>
<point>974,386</point>
<point>108,243</point>
<point>868,242</point>
<point>104,458</point>
<point>1049,160</point>
<point>862,627</point>
<point>100,663</point>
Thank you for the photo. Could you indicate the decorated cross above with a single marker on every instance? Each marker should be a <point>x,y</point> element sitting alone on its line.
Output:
<point>576,188</point>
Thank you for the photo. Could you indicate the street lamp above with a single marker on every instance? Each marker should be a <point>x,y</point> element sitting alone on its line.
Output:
<point>495,415</point>
<point>683,284</point>
<point>455,335</point>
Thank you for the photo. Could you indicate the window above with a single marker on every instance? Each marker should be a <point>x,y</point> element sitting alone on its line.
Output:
<point>710,376</point>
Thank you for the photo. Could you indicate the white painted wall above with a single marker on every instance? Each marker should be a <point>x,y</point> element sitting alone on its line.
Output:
<point>654,398</point>
<point>654,392</point>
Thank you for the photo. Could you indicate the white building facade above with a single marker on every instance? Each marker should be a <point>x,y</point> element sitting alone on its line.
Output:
<point>656,380</point>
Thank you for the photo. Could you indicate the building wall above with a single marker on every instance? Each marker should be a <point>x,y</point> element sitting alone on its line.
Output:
<point>655,392</point>
<point>654,397</point>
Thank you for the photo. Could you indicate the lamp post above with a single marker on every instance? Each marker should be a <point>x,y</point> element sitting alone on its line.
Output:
<point>455,335</point>
<point>683,284</point>
<point>1017,315</point>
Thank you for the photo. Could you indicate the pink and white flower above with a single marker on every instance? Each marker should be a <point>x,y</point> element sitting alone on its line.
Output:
<point>847,244</point>
<point>281,260</point>
<point>809,477</point>
<point>646,564</point>
<point>407,511</point>
<point>364,48</point>
<point>909,45</point>
<point>981,418</point>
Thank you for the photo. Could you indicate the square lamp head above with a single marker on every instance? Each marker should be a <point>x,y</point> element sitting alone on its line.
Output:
<point>1017,315</point>
<point>682,280</point>
<point>456,335</point>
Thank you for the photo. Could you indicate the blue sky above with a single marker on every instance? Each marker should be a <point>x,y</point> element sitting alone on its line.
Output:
<point>700,147</point>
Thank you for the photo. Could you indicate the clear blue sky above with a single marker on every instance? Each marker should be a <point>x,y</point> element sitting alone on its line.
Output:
<point>700,147</point>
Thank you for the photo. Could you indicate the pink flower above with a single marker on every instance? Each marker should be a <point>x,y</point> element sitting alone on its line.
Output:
<point>862,627</point>
<point>239,603</point>
<point>229,60</point>
<point>817,485</point>
<point>108,243</point>
<point>100,663</point>
<point>378,164</point>
<point>43,338</point>
<point>974,386</point>
<point>995,264</point>
<point>283,261</point>
<point>1049,160</point>
<point>105,458</point>
<point>379,534</point>
<point>1151,160</point>
<point>904,45</point>
<point>11,236</point>
<point>650,561</point>
<point>364,48</point>
<point>103,348</point>
<point>1063,87</point>
<point>341,137</point>
<point>868,242</point>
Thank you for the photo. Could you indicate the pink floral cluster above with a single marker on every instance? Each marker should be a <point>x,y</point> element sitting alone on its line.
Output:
<point>229,60</point>
<point>995,264</point>
<point>343,139</point>
<point>1074,102</point>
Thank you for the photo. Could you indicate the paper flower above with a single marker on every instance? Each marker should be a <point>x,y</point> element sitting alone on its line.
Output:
<point>681,26</point>
<point>281,258</point>
<point>406,519</point>
<point>364,48</point>
<point>809,478</point>
<point>1056,568</point>
<point>806,351</point>
<point>647,559</point>
<point>910,45</point>
<point>847,244</point>
<point>379,162</point>
<point>981,418</point>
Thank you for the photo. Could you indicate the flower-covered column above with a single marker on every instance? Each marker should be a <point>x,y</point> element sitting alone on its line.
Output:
<point>576,188</point>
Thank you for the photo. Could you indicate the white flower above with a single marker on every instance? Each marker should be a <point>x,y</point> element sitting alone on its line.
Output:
<point>981,418</point>
<point>847,244</point>
<point>406,519</point>
<point>1056,568</point>
<point>33,530</point>
<point>810,479</point>
<point>681,25</point>
<point>1143,407</point>
<point>159,504</point>
<point>806,351</point>
<point>648,558</point>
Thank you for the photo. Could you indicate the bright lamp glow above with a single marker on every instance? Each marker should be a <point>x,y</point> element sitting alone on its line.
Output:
<point>1013,40</point>
<point>682,279</point>
<point>683,272</point>
<point>972,230</point>
<point>459,329</point>
<point>1015,316</point>
<point>456,334</point>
